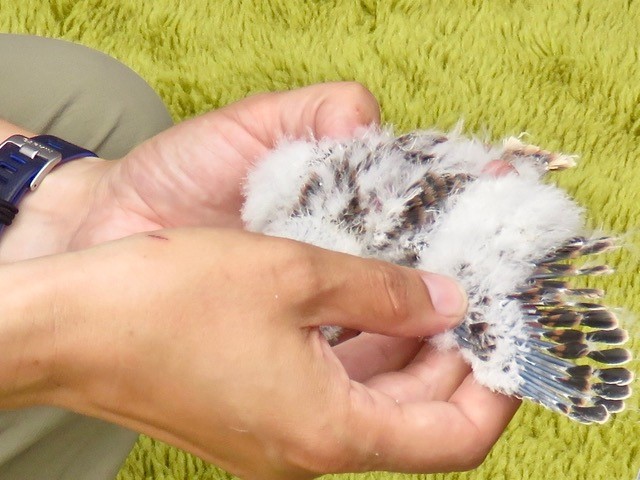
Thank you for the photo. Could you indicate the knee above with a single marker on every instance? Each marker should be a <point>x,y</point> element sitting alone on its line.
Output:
<point>118,108</point>
<point>82,95</point>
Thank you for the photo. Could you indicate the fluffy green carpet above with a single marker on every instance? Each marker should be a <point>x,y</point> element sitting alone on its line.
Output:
<point>566,72</point>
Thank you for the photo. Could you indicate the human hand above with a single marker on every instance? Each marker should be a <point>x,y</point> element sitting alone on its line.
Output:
<point>212,345</point>
<point>189,175</point>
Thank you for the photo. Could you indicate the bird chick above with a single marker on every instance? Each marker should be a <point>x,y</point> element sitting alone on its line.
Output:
<point>433,201</point>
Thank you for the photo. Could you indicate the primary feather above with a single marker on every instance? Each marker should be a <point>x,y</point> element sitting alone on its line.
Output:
<point>424,200</point>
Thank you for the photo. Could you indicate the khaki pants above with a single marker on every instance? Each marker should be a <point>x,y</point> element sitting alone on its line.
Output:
<point>55,87</point>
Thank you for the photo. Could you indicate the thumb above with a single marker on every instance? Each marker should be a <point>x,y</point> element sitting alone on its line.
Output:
<point>375,296</point>
<point>335,109</point>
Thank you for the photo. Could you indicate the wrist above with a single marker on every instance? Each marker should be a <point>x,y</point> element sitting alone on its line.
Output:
<point>50,215</point>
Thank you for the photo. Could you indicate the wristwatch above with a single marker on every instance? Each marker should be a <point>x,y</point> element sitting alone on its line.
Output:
<point>24,162</point>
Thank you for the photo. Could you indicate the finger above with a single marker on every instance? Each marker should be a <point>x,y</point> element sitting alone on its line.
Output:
<point>334,110</point>
<point>369,354</point>
<point>428,436</point>
<point>369,295</point>
<point>432,375</point>
<point>346,107</point>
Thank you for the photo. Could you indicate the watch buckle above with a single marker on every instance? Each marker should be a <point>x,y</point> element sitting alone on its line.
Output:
<point>32,150</point>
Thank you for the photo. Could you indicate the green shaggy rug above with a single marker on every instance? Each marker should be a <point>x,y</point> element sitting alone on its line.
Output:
<point>566,72</point>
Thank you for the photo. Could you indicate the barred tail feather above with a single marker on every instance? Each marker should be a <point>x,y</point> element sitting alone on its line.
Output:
<point>562,337</point>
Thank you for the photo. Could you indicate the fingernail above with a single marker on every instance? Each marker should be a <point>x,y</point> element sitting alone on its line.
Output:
<point>447,296</point>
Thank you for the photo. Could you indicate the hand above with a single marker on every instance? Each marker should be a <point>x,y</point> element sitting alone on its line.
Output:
<point>189,175</point>
<point>211,345</point>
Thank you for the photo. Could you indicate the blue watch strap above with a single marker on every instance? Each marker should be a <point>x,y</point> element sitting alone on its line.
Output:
<point>24,162</point>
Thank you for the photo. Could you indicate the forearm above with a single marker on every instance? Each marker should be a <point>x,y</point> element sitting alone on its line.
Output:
<point>55,346</point>
<point>27,332</point>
